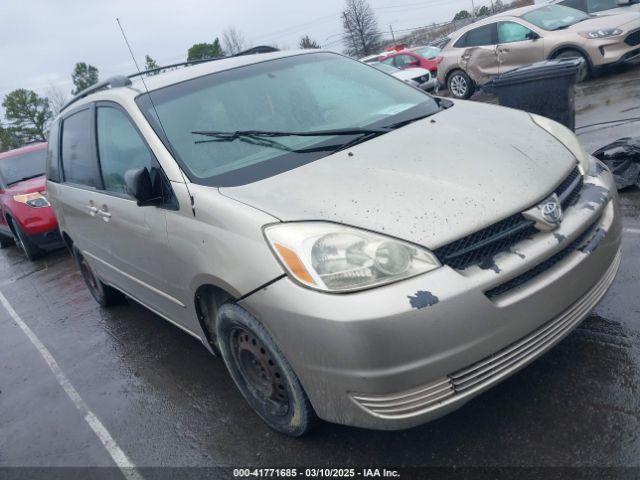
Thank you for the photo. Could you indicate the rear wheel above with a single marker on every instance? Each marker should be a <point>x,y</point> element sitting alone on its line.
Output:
<point>6,241</point>
<point>30,249</point>
<point>262,373</point>
<point>460,85</point>
<point>585,72</point>
<point>103,294</point>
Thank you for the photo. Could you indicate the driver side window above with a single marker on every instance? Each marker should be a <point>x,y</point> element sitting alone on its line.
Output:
<point>510,32</point>
<point>120,148</point>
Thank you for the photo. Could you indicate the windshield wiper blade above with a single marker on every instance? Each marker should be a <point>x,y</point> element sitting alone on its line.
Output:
<point>23,179</point>
<point>265,133</point>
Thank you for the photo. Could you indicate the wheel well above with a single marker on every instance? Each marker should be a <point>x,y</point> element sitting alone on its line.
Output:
<point>567,48</point>
<point>208,299</point>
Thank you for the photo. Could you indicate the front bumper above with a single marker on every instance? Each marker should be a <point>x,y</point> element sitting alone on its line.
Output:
<point>383,359</point>
<point>619,50</point>
<point>429,85</point>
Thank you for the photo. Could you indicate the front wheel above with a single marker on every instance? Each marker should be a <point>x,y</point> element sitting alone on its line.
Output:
<point>30,249</point>
<point>584,72</point>
<point>262,373</point>
<point>460,85</point>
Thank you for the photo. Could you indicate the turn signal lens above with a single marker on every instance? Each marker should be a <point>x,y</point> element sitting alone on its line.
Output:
<point>34,200</point>
<point>294,264</point>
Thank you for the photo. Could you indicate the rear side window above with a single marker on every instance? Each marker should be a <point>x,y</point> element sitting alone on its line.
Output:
<point>78,159</point>
<point>53,161</point>
<point>120,148</point>
<point>481,36</point>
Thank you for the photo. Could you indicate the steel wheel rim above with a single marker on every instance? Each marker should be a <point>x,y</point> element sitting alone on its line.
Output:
<point>458,86</point>
<point>261,375</point>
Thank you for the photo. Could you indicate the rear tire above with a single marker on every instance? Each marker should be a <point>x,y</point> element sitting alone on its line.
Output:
<point>585,72</point>
<point>6,242</point>
<point>105,295</point>
<point>262,373</point>
<point>30,249</point>
<point>460,85</point>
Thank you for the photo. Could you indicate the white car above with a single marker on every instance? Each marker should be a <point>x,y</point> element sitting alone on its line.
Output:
<point>598,7</point>
<point>418,77</point>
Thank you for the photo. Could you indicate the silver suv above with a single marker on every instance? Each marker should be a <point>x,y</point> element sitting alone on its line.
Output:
<point>353,248</point>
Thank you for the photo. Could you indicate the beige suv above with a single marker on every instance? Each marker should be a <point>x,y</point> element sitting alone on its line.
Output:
<point>526,35</point>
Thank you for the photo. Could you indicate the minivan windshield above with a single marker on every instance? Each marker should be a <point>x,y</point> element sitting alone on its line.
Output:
<point>302,93</point>
<point>22,167</point>
<point>555,17</point>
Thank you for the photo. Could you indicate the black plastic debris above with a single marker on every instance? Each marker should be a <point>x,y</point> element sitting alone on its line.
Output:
<point>545,88</point>
<point>623,159</point>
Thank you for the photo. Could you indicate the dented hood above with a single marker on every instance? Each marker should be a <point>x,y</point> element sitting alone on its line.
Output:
<point>431,182</point>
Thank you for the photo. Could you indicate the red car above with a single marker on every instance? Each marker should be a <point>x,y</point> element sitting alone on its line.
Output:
<point>26,217</point>
<point>423,57</point>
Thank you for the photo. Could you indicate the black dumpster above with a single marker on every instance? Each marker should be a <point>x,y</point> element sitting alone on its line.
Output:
<point>546,88</point>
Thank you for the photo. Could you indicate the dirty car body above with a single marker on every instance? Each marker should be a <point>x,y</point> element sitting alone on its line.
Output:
<point>389,277</point>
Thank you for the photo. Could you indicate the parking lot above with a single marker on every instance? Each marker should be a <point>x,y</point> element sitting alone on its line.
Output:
<point>166,402</point>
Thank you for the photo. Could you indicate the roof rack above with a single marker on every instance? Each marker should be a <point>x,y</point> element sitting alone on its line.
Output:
<point>113,82</point>
<point>124,81</point>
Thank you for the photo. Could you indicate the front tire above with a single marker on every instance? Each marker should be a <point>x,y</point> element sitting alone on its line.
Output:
<point>585,71</point>
<point>105,295</point>
<point>460,85</point>
<point>6,242</point>
<point>262,373</point>
<point>30,249</point>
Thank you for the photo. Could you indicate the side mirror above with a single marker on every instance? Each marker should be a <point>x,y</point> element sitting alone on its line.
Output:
<point>138,184</point>
<point>533,36</point>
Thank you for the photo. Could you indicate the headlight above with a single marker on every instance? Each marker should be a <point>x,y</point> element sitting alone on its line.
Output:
<point>567,138</point>
<point>604,33</point>
<point>335,258</point>
<point>34,200</point>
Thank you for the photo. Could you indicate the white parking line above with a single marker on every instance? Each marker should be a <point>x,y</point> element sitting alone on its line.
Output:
<point>119,457</point>
<point>633,230</point>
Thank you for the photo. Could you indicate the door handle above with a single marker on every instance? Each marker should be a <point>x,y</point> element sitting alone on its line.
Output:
<point>105,215</point>
<point>505,50</point>
<point>92,210</point>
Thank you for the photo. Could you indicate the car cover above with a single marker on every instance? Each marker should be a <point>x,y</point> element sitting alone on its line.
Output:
<point>623,159</point>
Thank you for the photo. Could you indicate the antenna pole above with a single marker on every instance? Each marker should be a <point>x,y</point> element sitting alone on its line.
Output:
<point>155,110</point>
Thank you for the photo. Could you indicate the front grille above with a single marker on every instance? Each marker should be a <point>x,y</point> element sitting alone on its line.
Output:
<point>540,268</point>
<point>491,369</point>
<point>502,236</point>
<point>633,39</point>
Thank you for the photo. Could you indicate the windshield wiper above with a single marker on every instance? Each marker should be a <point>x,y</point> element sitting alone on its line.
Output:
<point>267,134</point>
<point>25,178</point>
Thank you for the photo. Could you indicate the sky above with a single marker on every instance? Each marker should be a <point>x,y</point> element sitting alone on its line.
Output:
<point>41,40</point>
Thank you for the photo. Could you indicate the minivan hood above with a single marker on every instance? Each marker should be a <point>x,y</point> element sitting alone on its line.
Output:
<point>431,182</point>
<point>606,21</point>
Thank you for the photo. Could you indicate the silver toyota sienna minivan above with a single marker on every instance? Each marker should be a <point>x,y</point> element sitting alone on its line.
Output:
<point>354,249</point>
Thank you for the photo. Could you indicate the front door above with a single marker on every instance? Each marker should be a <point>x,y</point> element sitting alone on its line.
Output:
<point>136,236</point>
<point>518,46</point>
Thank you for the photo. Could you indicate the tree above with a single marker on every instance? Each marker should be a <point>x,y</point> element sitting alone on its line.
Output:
<point>498,6</point>
<point>483,11</point>
<point>28,115</point>
<point>203,51</point>
<point>361,35</point>
<point>83,76</point>
<point>8,140</point>
<point>57,99</point>
<point>461,15</point>
<point>306,42</point>
<point>233,41</point>
<point>151,64</point>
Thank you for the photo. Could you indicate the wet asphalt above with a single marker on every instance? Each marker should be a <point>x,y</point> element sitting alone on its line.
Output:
<point>167,402</point>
